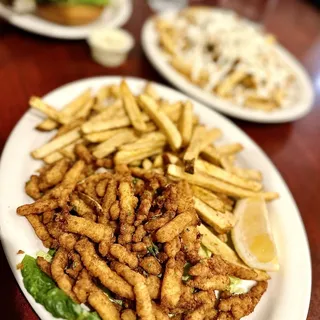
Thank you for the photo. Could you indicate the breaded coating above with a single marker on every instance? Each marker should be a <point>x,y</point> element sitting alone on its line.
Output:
<point>144,207</point>
<point>75,266</point>
<point>95,231</point>
<point>98,268</point>
<point>109,198</point>
<point>138,186</point>
<point>199,313</point>
<point>44,265</point>
<point>128,202</point>
<point>101,187</point>
<point>37,207</point>
<point>83,286</point>
<point>115,211</point>
<point>187,300</point>
<point>129,275</point>
<point>92,202</point>
<point>68,241</point>
<point>172,247</point>
<point>124,256</point>
<point>139,247</point>
<point>190,243</point>
<point>211,314</point>
<point>58,265</point>
<point>47,216</point>
<point>82,209</point>
<point>172,284</point>
<point>101,303</point>
<point>158,312</point>
<point>126,233</point>
<point>154,286</point>
<point>214,282</point>
<point>105,163</point>
<point>243,304</point>
<point>128,314</point>
<point>157,223</point>
<point>104,248</point>
<point>143,302</point>
<point>224,316</point>
<point>173,228</point>
<point>151,265</point>
<point>139,234</point>
<point>185,199</point>
<point>54,175</point>
<point>40,229</point>
<point>69,182</point>
<point>55,228</point>
<point>32,188</point>
<point>83,153</point>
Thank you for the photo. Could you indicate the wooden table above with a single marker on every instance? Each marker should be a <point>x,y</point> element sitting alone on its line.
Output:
<point>31,64</point>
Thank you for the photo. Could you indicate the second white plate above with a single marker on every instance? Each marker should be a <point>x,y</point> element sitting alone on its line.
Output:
<point>298,109</point>
<point>115,14</point>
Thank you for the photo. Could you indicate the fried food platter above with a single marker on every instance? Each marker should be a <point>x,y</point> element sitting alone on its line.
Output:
<point>291,284</point>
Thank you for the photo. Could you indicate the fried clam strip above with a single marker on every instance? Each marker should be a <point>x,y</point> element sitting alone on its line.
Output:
<point>63,190</point>
<point>216,185</point>
<point>54,175</point>
<point>95,231</point>
<point>82,209</point>
<point>124,256</point>
<point>98,268</point>
<point>143,300</point>
<point>217,247</point>
<point>32,188</point>
<point>132,108</point>
<point>40,230</point>
<point>162,121</point>
<point>37,207</point>
<point>214,282</point>
<point>217,265</point>
<point>58,265</point>
<point>214,171</point>
<point>222,222</point>
<point>86,290</point>
<point>201,137</point>
<point>190,243</point>
<point>172,283</point>
<point>109,198</point>
<point>44,265</point>
<point>239,306</point>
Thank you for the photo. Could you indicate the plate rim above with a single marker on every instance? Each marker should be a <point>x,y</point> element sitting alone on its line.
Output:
<point>61,31</point>
<point>39,308</point>
<point>214,102</point>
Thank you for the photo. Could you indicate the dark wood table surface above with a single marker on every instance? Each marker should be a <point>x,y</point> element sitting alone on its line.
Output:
<point>31,64</point>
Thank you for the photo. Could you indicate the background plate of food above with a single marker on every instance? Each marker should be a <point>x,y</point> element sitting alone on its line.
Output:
<point>229,64</point>
<point>66,19</point>
<point>98,151</point>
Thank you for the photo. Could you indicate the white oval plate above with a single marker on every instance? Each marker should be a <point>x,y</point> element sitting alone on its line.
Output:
<point>116,14</point>
<point>298,109</point>
<point>288,294</point>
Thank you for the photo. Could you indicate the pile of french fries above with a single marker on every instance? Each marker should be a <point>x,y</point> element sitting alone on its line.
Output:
<point>149,138</point>
<point>216,63</point>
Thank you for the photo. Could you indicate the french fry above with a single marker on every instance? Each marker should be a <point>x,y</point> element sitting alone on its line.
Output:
<point>68,127</point>
<point>85,110</point>
<point>222,222</point>
<point>209,198</point>
<point>113,110</point>
<point>218,247</point>
<point>216,185</point>
<point>146,164</point>
<point>228,83</point>
<point>102,94</point>
<point>229,149</point>
<point>115,91</point>
<point>126,157</point>
<point>158,161</point>
<point>101,136</point>
<point>98,126</point>
<point>150,90</point>
<point>132,108</point>
<point>38,104</point>
<point>260,103</point>
<point>56,144</point>
<point>146,141</point>
<point>223,175</point>
<point>57,155</point>
<point>68,110</point>
<point>211,154</point>
<point>194,148</point>
<point>105,148</point>
<point>166,42</point>
<point>172,110</point>
<point>170,158</point>
<point>161,120</point>
<point>185,123</point>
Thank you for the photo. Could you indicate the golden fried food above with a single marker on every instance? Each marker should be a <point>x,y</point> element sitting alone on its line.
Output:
<point>151,265</point>
<point>32,188</point>
<point>123,255</point>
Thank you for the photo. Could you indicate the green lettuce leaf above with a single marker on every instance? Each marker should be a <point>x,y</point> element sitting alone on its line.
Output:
<point>45,292</point>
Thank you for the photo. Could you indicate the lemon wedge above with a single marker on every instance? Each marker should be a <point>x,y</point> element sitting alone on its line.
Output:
<point>252,236</point>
